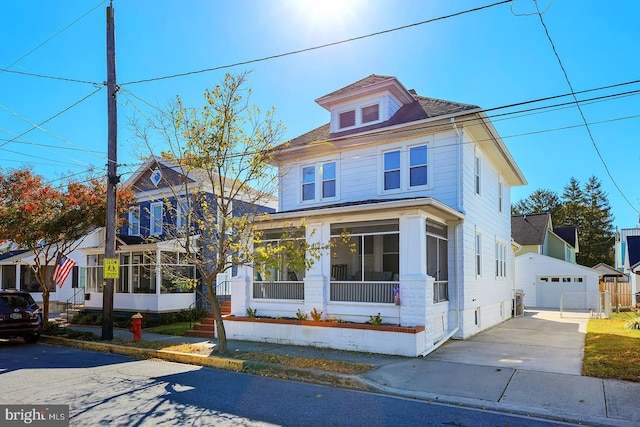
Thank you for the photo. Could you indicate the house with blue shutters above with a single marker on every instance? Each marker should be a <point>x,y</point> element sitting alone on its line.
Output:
<point>422,186</point>
<point>148,246</point>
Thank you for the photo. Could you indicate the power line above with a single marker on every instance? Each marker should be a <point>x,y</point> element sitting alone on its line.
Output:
<point>38,126</point>
<point>322,46</point>
<point>6,69</point>
<point>584,119</point>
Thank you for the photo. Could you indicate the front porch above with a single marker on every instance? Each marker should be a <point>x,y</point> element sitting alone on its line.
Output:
<point>392,270</point>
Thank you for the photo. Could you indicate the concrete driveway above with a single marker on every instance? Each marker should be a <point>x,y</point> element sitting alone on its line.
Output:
<point>540,340</point>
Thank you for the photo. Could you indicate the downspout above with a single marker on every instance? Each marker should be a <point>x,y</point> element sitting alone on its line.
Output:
<point>456,275</point>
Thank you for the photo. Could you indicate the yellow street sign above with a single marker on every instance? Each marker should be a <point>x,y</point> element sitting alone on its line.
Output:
<point>111,268</point>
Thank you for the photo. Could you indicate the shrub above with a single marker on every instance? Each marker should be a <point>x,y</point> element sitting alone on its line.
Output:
<point>375,320</point>
<point>301,315</point>
<point>316,315</point>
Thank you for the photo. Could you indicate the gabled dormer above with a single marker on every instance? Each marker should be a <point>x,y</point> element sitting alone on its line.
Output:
<point>370,101</point>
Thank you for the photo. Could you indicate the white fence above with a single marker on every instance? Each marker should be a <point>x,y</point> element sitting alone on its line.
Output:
<point>596,304</point>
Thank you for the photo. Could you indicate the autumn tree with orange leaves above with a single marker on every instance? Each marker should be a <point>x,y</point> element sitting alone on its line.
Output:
<point>50,222</point>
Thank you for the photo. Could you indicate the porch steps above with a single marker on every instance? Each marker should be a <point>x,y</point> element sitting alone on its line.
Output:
<point>205,329</point>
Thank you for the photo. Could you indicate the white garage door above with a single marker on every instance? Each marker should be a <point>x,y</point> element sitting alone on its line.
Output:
<point>550,288</point>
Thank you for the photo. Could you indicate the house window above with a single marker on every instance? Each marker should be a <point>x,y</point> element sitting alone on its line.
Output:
<point>478,254</point>
<point>134,221</point>
<point>501,260</point>
<point>182,213</point>
<point>437,260</point>
<point>308,183</point>
<point>418,166</point>
<point>500,196</point>
<point>347,119</point>
<point>371,113</point>
<point>155,226</point>
<point>477,175</point>
<point>328,180</point>
<point>392,170</point>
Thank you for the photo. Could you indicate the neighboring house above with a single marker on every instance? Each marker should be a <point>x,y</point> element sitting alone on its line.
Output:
<point>423,187</point>
<point>545,264</point>
<point>148,241</point>
<point>535,233</point>
<point>627,256</point>
<point>16,273</point>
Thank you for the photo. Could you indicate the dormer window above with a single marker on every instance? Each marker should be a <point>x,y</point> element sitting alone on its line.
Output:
<point>347,119</point>
<point>371,113</point>
<point>359,116</point>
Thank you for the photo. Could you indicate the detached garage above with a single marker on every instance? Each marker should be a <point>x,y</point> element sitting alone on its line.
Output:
<point>544,279</point>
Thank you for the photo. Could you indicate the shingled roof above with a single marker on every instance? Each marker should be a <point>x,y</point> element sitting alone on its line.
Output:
<point>568,234</point>
<point>422,108</point>
<point>633,246</point>
<point>530,229</point>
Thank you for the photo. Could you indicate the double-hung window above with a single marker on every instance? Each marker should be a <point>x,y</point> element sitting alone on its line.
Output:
<point>392,170</point>
<point>134,221</point>
<point>182,212</point>
<point>328,180</point>
<point>478,254</point>
<point>501,260</point>
<point>322,176</point>
<point>308,183</point>
<point>418,166</point>
<point>155,226</point>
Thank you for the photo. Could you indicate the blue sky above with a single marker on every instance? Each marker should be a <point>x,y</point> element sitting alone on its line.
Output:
<point>491,58</point>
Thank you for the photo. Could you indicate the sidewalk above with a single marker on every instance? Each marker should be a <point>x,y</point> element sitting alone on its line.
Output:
<point>552,395</point>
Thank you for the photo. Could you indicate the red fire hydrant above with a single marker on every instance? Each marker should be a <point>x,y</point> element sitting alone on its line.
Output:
<point>136,326</point>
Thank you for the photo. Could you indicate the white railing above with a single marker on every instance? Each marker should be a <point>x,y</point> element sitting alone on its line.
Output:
<point>288,290</point>
<point>375,292</point>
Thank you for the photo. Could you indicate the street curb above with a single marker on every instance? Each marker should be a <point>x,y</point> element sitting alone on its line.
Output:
<point>144,353</point>
<point>248,366</point>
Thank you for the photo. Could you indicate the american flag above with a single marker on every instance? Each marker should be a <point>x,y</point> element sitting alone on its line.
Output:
<point>63,269</point>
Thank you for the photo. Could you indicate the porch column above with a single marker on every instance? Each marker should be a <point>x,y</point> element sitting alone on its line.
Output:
<point>240,288</point>
<point>414,292</point>
<point>158,272</point>
<point>315,294</point>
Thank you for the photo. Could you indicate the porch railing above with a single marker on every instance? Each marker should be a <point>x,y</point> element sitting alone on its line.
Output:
<point>375,292</point>
<point>287,290</point>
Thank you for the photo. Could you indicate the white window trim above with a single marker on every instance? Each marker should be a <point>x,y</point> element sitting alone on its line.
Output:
<point>478,253</point>
<point>405,166</point>
<point>318,181</point>
<point>152,218</point>
<point>505,264</point>
<point>132,231</point>
<point>181,214</point>
<point>335,125</point>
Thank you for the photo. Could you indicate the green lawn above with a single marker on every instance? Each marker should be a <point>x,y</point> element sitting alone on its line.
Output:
<point>179,329</point>
<point>611,350</point>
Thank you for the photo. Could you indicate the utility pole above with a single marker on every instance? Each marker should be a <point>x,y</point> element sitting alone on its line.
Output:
<point>112,175</point>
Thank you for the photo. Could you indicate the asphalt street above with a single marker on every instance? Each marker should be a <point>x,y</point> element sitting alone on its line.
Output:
<point>107,389</point>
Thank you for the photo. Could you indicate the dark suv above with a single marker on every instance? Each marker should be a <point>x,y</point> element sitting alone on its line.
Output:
<point>20,316</point>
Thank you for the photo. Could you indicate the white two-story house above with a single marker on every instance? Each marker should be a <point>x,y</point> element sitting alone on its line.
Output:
<point>423,187</point>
